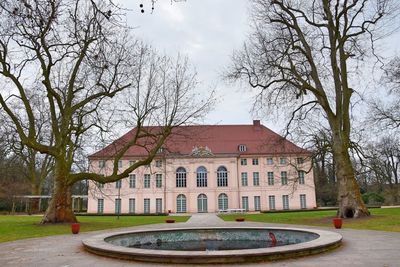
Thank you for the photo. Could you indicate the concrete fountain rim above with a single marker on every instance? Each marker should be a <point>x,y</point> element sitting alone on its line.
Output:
<point>327,240</point>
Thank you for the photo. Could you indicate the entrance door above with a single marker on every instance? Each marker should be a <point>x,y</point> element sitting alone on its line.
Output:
<point>202,203</point>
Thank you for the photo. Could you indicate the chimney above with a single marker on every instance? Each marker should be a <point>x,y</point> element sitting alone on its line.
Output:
<point>256,123</point>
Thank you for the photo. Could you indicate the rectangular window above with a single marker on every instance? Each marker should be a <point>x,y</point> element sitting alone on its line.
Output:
<point>118,184</point>
<point>257,203</point>
<point>270,178</point>
<point>256,178</point>
<point>301,177</point>
<point>132,180</point>
<point>284,180</point>
<point>303,203</point>
<point>282,161</point>
<point>146,205</point>
<point>270,161</point>
<point>132,205</point>
<point>158,180</point>
<point>158,205</point>
<point>131,162</point>
<point>118,206</point>
<point>100,205</point>
<point>146,182</point>
<point>243,162</point>
<point>244,179</point>
<point>255,161</point>
<point>271,202</point>
<point>300,160</point>
<point>119,164</point>
<point>285,201</point>
<point>102,164</point>
<point>158,163</point>
<point>99,185</point>
<point>245,203</point>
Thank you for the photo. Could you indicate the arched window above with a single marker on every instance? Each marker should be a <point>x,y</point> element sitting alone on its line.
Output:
<point>181,203</point>
<point>222,202</point>
<point>201,175</point>
<point>180,177</point>
<point>222,176</point>
<point>202,203</point>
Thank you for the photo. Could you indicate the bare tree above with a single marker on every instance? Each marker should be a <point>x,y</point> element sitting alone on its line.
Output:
<point>301,56</point>
<point>382,163</point>
<point>387,113</point>
<point>79,56</point>
<point>36,167</point>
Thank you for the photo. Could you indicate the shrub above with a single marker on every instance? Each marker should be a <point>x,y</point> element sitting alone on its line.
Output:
<point>373,198</point>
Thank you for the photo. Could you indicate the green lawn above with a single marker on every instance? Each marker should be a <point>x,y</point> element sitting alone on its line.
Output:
<point>380,219</point>
<point>21,227</point>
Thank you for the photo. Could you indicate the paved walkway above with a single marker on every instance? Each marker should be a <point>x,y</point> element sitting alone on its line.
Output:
<point>360,248</point>
<point>205,219</point>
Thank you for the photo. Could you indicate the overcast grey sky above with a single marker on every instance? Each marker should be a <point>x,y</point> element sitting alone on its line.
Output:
<point>207,31</point>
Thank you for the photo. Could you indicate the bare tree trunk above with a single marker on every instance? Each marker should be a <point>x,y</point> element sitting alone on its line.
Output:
<point>349,196</point>
<point>60,207</point>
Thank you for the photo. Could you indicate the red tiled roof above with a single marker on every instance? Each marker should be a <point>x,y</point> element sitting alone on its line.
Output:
<point>220,139</point>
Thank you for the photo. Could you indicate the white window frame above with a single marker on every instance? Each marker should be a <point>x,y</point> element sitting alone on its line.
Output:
<point>100,205</point>
<point>181,177</point>
<point>301,176</point>
<point>146,205</point>
<point>270,177</point>
<point>146,180</point>
<point>245,203</point>
<point>118,205</point>
<point>102,164</point>
<point>181,204</point>
<point>245,180</point>
<point>271,202</point>
<point>242,148</point>
<point>159,205</point>
<point>201,176</point>
<point>285,202</point>
<point>132,205</point>
<point>132,180</point>
<point>303,201</point>
<point>257,203</point>
<point>222,176</point>
<point>284,178</point>
<point>256,179</point>
<point>159,163</point>
<point>158,180</point>
<point>223,201</point>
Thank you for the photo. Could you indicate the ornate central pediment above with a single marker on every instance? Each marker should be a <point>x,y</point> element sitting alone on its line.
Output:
<point>201,152</point>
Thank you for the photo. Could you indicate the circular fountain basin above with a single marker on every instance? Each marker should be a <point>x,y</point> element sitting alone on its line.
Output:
<point>213,244</point>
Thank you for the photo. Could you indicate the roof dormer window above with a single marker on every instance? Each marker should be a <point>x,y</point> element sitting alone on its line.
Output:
<point>242,148</point>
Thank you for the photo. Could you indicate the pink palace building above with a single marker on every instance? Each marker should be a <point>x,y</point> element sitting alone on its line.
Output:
<point>209,169</point>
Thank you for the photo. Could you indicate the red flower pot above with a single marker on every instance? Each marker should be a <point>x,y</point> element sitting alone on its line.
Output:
<point>240,219</point>
<point>169,220</point>
<point>75,227</point>
<point>337,222</point>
